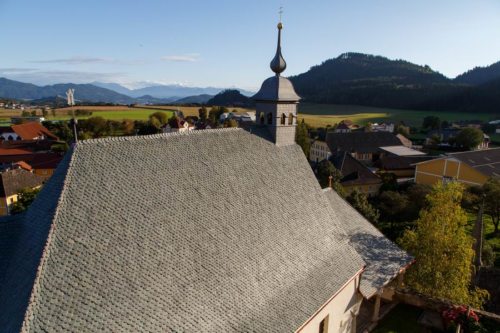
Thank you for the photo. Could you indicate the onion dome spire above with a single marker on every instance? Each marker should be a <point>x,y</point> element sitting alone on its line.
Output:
<point>278,64</point>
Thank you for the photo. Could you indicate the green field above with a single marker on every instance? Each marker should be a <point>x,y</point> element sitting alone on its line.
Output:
<point>133,114</point>
<point>320,115</point>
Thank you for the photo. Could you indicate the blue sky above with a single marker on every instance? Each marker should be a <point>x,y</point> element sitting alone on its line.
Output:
<point>229,43</point>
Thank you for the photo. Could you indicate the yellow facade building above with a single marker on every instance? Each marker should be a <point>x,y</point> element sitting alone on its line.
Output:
<point>470,168</point>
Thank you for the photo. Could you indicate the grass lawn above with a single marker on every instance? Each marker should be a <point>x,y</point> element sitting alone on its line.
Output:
<point>489,236</point>
<point>329,114</point>
<point>402,319</point>
<point>186,110</point>
<point>128,113</point>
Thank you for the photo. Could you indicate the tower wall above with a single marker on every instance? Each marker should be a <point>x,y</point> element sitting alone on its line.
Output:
<point>282,134</point>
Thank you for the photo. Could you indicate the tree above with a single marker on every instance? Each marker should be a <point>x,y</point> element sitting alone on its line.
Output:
<point>24,199</point>
<point>230,123</point>
<point>489,128</point>
<point>302,137</point>
<point>360,201</point>
<point>96,126</point>
<point>392,206</point>
<point>469,138</point>
<point>203,113</point>
<point>442,249</point>
<point>403,130</point>
<point>215,113</point>
<point>491,191</point>
<point>431,122</point>
<point>45,113</point>
<point>53,111</point>
<point>161,117</point>
<point>128,126</point>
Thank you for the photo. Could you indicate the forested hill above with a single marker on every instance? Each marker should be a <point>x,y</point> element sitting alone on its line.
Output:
<point>361,79</point>
<point>480,75</point>
<point>230,97</point>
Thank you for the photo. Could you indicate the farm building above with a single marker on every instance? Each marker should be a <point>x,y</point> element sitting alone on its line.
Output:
<point>470,168</point>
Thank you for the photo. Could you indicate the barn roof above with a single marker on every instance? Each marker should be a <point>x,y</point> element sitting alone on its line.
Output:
<point>215,230</point>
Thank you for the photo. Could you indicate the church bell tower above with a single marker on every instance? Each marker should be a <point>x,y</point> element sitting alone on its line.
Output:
<point>276,102</point>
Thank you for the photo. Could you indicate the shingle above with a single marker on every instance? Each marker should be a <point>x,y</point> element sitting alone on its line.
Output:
<point>213,231</point>
<point>362,142</point>
<point>383,258</point>
<point>486,161</point>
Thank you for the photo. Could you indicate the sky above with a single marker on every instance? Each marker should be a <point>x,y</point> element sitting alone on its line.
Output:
<point>229,43</point>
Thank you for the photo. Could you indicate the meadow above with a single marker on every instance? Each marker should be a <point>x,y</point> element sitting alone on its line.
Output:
<point>321,115</point>
<point>315,115</point>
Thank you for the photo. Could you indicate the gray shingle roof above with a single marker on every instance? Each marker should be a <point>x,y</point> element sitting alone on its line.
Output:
<point>213,231</point>
<point>277,88</point>
<point>486,161</point>
<point>384,259</point>
<point>362,142</point>
<point>14,180</point>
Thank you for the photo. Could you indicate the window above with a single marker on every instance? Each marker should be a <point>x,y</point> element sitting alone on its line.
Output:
<point>323,326</point>
<point>290,120</point>
<point>269,118</point>
<point>283,119</point>
<point>262,120</point>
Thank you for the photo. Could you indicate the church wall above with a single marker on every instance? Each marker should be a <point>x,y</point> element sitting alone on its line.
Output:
<point>339,311</point>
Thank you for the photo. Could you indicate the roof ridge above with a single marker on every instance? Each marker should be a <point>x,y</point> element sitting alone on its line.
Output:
<point>155,136</point>
<point>473,151</point>
<point>46,249</point>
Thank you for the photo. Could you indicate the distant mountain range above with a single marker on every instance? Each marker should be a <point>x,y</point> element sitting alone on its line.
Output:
<point>351,78</point>
<point>362,79</point>
<point>164,91</point>
<point>98,92</point>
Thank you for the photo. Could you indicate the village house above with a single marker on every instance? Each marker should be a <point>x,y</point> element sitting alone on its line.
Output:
<point>36,154</point>
<point>319,151</point>
<point>383,127</point>
<point>363,146</point>
<point>13,179</point>
<point>26,131</point>
<point>355,175</point>
<point>177,125</point>
<point>469,168</point>
<point>342,127</point>
<point>221,230</point>
<point>444,136</point>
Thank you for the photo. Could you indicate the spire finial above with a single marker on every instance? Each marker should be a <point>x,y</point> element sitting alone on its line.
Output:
<point>278,64</point>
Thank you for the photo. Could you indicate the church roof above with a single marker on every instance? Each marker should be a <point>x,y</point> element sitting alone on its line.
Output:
<point>277,89</point>
<point>384,258</point>
<point>213,231</point>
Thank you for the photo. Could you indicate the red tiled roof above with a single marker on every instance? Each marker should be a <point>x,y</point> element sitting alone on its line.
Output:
<point>32,130</point>
<point>24,165</point>
<point>35,160</point>
<point>14,151</point>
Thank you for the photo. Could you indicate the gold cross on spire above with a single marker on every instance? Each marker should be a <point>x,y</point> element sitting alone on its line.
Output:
<point>281,12</point>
